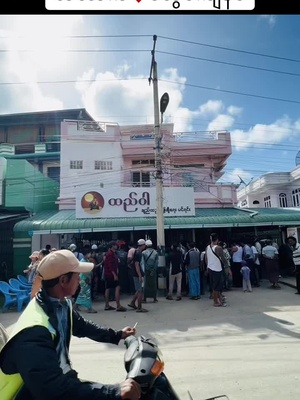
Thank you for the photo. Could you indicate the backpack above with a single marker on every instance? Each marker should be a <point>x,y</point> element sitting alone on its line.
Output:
<point>150,260</point>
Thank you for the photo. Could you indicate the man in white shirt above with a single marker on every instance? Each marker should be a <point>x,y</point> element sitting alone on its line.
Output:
<point>248,256</point>
<point>215,260</point>
<point>295,246</point>
<point>237,256</point>
<point>270,254</point>
<point>256,262</point>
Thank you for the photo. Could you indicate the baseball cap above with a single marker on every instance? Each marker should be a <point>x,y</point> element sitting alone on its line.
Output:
<point>141,242</point>
<point>61,262</point>
<point>72,247</point>
<point>94,247</point>
<point>34,254</point>
<point>148,242</point>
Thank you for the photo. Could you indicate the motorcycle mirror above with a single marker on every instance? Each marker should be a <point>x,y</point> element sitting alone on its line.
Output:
<point>222,397</point>
<point>190,396</point>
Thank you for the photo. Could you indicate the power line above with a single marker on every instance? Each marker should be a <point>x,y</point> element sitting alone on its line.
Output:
<point>231,92</point>
<point>71,81</point>
<point>228,63</point>
<point>82,36</point>
<point>158,51</point>
<point>230,49</point>
<point>165,38</point>
<point>161,80</point>
<point>77,51</point>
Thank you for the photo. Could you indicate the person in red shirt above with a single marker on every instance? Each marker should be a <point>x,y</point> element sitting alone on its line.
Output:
<point>111,266</point>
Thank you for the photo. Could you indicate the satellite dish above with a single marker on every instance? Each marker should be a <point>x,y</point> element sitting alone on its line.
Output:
<point>297,159</point>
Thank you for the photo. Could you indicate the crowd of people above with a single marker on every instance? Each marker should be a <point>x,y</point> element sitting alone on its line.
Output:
<point>120,269</point>
<point>67,280</point>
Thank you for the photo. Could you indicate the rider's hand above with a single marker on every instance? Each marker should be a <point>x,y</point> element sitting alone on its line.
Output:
<point>130,390</point>
<point>128,331</point>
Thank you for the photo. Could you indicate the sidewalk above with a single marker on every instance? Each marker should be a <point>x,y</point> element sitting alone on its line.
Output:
<point>288,281</point>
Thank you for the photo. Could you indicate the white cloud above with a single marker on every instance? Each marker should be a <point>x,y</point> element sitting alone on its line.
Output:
<point>129,98</point>
<point>234,111</point>
<point>211,107</point>
<point>280,130</point>
<point>234,175</point>
<point>221,122</point>
<point>32,46</point>
<point>271,19</point>
<point>124,96</point>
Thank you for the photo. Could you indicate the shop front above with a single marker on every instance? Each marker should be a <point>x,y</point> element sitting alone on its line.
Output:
<point>61,228</point>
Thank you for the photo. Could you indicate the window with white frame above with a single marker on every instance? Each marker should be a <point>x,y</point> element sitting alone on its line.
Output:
<point>296,197</point>
<point>282,200</point>
<point>103,165</point>
<point>267,201</point>
<point>76,164</point>
<point>143,162</point>
<point>140,179</point>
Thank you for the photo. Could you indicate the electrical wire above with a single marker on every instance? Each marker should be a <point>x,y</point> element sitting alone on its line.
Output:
<point>229,49</point>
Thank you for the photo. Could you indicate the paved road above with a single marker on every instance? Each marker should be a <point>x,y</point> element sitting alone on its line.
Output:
<point>249,350</point>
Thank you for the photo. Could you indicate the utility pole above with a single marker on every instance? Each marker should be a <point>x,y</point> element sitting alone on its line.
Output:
<point>160,229</point>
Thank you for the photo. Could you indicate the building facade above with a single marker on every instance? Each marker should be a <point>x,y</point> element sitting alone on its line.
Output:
<point>277,190</point>
<point>29,175</point>
<point>115,156</point>
<point>35,137</point>
<point>109,171</point>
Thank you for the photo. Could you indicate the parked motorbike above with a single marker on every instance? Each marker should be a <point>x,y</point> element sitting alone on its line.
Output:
<point>144,363</point>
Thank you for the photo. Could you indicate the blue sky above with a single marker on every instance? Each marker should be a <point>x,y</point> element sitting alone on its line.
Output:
<point>204,95</point>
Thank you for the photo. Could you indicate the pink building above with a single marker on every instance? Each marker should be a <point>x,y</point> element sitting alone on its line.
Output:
<point>124,156</point>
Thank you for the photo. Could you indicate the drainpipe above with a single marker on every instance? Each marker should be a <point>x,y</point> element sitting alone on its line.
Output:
<point>251,212</point>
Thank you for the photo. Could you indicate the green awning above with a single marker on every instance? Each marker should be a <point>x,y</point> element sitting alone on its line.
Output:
<point>64,221</point>
<point>4,217</point>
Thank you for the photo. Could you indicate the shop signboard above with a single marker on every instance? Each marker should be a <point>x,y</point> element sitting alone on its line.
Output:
<point>133,202</point>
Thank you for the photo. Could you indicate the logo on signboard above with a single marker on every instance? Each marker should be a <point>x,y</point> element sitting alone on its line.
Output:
<point>92,202</point>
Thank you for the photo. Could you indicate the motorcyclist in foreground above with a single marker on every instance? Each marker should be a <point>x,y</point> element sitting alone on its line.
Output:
<point>35,362</point>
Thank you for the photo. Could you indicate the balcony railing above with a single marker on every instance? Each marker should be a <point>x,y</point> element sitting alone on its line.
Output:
<point>197,136</point>
<point>29,148</point>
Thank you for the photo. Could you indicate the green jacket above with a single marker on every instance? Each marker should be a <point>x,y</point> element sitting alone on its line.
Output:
<point>32,315</point>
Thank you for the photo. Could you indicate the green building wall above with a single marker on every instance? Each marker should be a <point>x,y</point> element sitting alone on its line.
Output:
<point>26,189</point>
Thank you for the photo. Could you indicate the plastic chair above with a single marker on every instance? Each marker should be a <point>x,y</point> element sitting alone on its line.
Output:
<point>23,279</point>
<point>14,296</point>
<point>10,299</point>
<point>16,284</point>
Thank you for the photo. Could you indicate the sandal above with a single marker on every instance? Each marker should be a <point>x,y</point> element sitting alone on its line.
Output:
<point>220,305</point>
<point>109,308</point>
<point>132,306</point>
<point>143,310</point>
<point>121,308</point>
